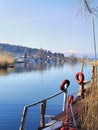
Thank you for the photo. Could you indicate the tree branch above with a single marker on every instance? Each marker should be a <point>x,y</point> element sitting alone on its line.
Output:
<point>87,6</point>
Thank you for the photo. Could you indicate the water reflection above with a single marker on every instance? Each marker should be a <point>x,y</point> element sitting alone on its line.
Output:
<point>22,67</point>
<point>6,71</point>
<point>28,67</point>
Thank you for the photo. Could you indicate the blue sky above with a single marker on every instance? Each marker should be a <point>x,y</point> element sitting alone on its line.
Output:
<point>56,25</point>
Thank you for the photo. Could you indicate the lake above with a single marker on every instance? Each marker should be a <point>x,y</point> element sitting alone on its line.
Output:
<point>27,83</point>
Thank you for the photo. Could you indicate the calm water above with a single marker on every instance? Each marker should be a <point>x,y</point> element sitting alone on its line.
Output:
<point>26,84</point>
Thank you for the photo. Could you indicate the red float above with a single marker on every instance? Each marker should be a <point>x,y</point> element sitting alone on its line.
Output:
<point>64,128</point>
<point>70,99</point>
<point>62,86</point>
<point>79,77</point>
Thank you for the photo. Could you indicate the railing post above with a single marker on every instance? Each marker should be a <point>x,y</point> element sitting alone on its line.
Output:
<point>70,100</point>
<point>65,100</point>
<point>93,72</point>
<point>42,111</point>
<point>80,80</point>
<point>23,119</point>
<point>81,91</point>
<point>63,86</point>
<point>94,75</point>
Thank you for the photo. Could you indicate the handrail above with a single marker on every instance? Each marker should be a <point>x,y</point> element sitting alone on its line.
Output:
<point>31,105</point>
<point>25,109</point>
<point>43,107</point>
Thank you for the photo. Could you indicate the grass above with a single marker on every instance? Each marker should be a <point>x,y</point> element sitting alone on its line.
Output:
<point>6,59</point>
<point>89,120</point>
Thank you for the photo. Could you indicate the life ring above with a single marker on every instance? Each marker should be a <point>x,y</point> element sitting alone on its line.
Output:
<point>70,99</point>
<point>64,128</point>
<point>79,77</point>
<point>62,86</point>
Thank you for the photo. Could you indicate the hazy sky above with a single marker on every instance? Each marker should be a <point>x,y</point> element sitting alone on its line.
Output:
<point>56,25</point>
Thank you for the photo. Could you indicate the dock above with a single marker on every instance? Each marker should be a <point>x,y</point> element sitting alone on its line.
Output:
<point>74,108</point>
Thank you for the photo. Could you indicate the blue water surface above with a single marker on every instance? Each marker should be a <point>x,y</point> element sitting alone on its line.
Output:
<point>26,84</point>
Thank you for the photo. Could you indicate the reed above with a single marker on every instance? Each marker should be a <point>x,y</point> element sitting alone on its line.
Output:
<point>90,115</point>
<point>6,59</point>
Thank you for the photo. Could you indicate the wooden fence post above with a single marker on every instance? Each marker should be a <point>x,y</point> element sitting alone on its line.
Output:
<point>42,111</point>
<point>23,119</point>
<point>81,90</point>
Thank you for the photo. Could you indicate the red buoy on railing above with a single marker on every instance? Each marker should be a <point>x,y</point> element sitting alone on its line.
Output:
<point>79,77</point>
<point>64,85</point>
<point>70,99</point>
<point>64,128</point>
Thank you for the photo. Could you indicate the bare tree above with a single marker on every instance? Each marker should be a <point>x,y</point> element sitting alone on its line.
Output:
<point>90,6</point>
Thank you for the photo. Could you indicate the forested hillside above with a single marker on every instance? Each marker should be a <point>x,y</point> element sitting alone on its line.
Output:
<point>29,51</point>
<point>16,49</point>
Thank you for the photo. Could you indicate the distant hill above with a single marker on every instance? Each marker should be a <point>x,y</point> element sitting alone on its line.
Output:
<point>16,49</point>
<point>20,50</point>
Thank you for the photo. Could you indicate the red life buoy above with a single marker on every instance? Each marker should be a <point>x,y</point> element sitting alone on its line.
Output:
<point>70,99</point>
<point>64,128</point>
<point>79,77</point>
<point>67,82</point>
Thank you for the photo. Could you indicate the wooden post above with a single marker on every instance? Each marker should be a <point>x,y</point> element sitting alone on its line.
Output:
<point>81,87</point>
<point>93,72</point>
<point>42,111</point>
<point>81,90</point>
<point>96,75</point>
<point>92,78</point>
<point>23,119</point>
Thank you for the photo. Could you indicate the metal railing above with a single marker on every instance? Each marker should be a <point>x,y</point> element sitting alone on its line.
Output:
<point>42,110</point>
<point>43,103</point>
